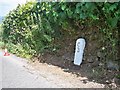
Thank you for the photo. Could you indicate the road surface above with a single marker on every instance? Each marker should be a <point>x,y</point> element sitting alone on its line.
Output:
<point>16,73</point>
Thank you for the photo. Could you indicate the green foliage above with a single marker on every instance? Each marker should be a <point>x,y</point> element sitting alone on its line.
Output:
<point>34,26</point>
<point>26,32</point>
<point>19,50</point>
<point>1,31</point>
<point>1,44</point>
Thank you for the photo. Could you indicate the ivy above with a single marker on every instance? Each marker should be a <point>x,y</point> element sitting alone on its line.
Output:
<point>35,25</point>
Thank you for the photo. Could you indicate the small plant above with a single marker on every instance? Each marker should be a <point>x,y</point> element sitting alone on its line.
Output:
<point>118,76</point>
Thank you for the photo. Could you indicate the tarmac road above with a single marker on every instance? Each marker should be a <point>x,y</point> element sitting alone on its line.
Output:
<point>17,73</point>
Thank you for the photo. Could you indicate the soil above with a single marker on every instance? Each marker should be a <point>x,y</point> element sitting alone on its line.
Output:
<point>93,66</point>
<point>57,75</point>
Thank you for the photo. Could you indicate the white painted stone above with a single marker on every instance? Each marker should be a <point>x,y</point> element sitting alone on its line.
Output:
<point>79,50</point>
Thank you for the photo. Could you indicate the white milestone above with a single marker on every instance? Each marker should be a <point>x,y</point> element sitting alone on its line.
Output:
<point>79,50</point>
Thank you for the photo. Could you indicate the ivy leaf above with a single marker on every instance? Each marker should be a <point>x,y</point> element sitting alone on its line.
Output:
<point>112,7</point>
<point>78,5</point>
<point>90,6</point>
<point>69,12</point>
<point>82,16</point>
<point>62,15</point>
<point>63,7</point>
<point>113,22</point>
<point>77,10</point>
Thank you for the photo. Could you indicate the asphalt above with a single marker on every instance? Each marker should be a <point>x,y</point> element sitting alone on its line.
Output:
<point>14,74</point>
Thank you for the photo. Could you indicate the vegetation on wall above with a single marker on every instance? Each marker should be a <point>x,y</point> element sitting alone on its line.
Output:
<point>32,28</point>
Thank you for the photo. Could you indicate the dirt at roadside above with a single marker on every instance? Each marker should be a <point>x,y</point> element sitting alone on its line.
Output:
<point>56,74</point>
<point>93,66</point>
